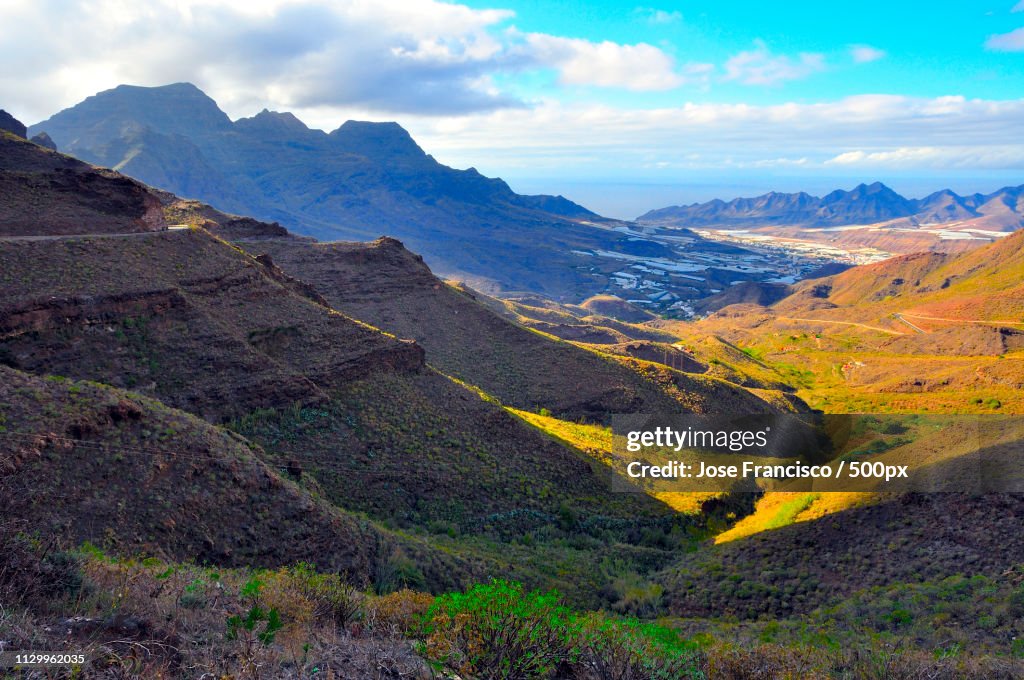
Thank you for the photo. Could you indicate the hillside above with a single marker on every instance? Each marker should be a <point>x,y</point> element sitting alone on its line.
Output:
<point>44,193</point>
<point>183,318</point>
<point>390,287</point>
<point>210,330</point>
<point>982,285</point>
<point>926,332</point>
<point>896,539</point>
<point>84,462</point>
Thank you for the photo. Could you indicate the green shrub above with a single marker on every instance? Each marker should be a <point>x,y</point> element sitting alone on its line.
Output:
<point>250,624</point>
<point>498,630</point>
<point>612,649</point>
<point>247,628</point>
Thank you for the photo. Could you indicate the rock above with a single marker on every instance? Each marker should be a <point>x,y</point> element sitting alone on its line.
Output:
<point>12,124</point>
<point>43,139</point>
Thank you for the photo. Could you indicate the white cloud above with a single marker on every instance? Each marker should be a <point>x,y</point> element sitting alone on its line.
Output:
<point>605,64</point>
<point>1019,7</point>
<point>760,67</point>
<point>437,67</point>
<point>1007,42</point>
<point>401,56</point>
<point>658,16</point>
<point>879,130</point>
<point>932,157</point>
<point>863,54</point>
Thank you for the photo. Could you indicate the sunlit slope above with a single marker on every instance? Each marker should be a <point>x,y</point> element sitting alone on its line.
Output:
<point>921,333</point>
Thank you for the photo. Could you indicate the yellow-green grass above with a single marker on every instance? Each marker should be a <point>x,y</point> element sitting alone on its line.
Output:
<point>776,509</point>
<point>596,441</point>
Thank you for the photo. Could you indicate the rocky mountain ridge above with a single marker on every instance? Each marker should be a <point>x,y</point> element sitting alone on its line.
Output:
<point>1001,210</point>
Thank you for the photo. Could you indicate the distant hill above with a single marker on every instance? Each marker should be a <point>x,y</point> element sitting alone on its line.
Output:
<point>986,284</point>
<point>876,203</point>
<point>356,183</point>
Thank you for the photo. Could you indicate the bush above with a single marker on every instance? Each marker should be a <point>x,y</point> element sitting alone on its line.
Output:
<point>501,631</point>
<point>393,571</point>
<point>611,649</point>
<point>498,631</point>
<point>306,595</point>
<point>396,614</point>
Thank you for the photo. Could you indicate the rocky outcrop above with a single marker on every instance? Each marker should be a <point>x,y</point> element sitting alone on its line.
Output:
<point>12,124</point>
<point>229,227</point>
<point>44,140</point>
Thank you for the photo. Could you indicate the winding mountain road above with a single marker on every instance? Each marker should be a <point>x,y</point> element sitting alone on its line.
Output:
<point>899,317</point>
<point>842,323</point>
<point>61,237</point>
<point>996,322</point>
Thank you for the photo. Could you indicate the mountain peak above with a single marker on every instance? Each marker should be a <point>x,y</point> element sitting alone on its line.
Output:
<point>181,89</point>
<point>874,188</point>
<point>376,139</point>
<point>179,108</point>
<point>273,122</point>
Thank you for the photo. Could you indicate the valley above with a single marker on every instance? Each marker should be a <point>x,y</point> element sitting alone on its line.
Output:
<point>208,417</point>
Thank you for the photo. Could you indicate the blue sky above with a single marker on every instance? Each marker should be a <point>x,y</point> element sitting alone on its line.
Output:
<point>924,49</point>
<point>622,106</point>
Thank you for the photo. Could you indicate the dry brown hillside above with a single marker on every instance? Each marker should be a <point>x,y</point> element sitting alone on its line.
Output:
<point>390,287</point>
<point>80,461</point>
<point>183,317</point>
<point>43,192</point>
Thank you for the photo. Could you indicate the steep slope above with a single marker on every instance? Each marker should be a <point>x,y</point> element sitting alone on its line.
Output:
<point>45,193</point>
<point>799,568</point>
<point>386,285</point>
<point>356,182</point>
<point>80,461</point>
<point>9,123</point>
<point>182,317</point>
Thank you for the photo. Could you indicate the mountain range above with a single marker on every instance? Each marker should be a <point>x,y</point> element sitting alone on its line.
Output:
<point>356,182</point>
<point>1002,210</point>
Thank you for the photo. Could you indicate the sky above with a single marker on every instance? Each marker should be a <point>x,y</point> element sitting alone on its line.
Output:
<point>623,107</point>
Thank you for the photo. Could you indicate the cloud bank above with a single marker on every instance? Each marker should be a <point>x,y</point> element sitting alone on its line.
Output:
<point>449,73</point>
<point>870,132</point>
